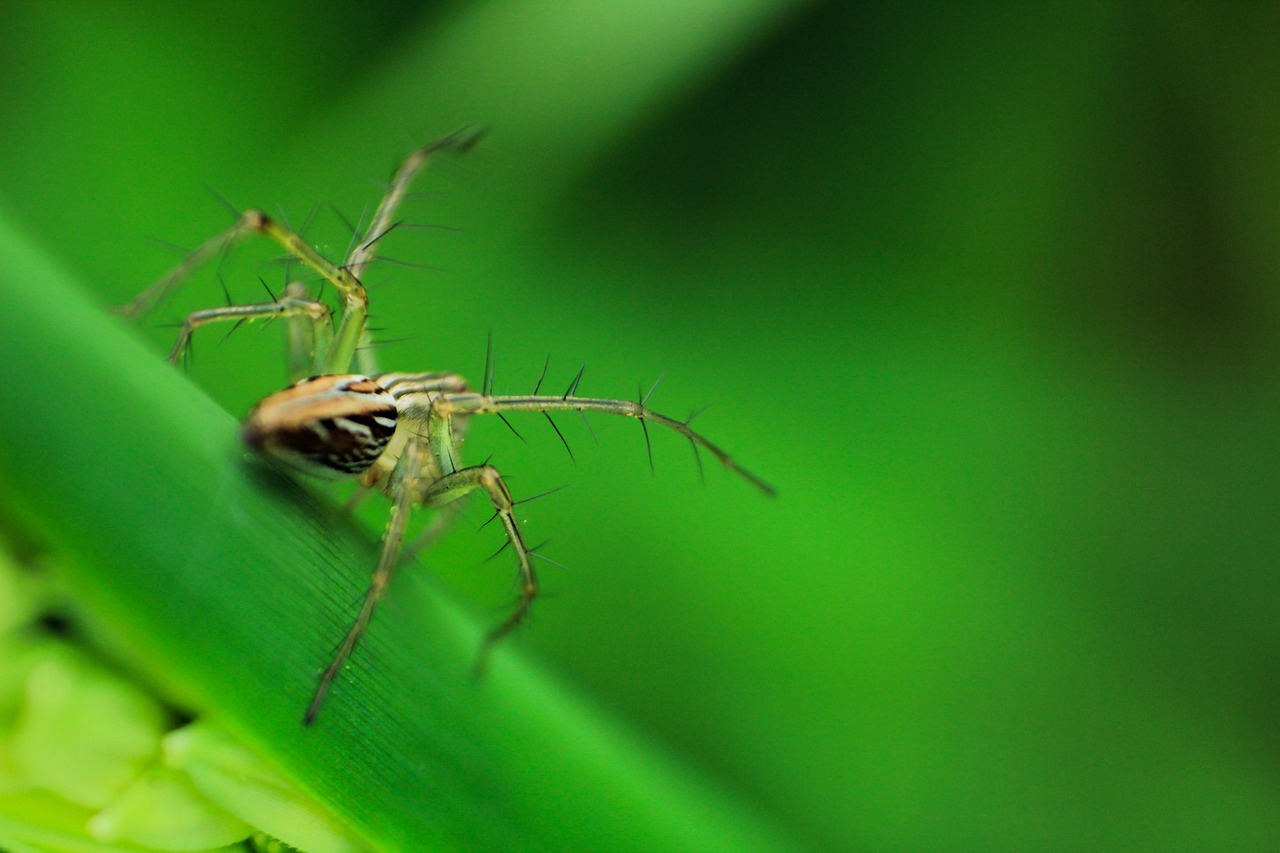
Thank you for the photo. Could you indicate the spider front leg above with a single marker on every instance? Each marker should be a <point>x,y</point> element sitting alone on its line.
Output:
<point>471,403</point>
<point>442,407</point>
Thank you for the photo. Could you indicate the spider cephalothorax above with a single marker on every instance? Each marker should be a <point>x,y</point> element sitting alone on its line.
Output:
<point>397,432</point>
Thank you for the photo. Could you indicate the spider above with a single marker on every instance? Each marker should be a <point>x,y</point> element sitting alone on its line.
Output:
<point>398,433</point>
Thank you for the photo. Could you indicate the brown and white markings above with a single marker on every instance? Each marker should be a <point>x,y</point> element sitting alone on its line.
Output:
<point>399,433</point>
<point>329,426</point>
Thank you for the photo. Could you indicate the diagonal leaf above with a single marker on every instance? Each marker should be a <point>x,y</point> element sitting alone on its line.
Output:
<point>227,585</point>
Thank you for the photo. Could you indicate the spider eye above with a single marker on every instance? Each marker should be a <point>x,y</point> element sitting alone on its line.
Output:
<point>327,426</point>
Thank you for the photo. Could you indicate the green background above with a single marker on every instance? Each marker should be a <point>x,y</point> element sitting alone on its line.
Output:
<point>988,291</point>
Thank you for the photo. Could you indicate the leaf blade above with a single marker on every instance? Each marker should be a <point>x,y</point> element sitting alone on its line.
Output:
<point>227,584</point>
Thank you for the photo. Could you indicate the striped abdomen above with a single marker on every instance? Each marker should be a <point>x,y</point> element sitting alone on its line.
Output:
<point>328,426</point>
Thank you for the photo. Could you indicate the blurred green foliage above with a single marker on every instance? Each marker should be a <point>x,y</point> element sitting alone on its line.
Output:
<point>987,290</point>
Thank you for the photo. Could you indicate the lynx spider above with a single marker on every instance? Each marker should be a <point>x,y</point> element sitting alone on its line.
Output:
<point>399,433</point>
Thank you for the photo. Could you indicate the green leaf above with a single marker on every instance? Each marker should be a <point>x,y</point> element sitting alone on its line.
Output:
<point>162,809</point>
<point>228,774</point>
<point>83,735</point>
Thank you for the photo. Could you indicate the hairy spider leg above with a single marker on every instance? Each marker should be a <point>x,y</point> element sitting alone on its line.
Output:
<point>355,300</point>
<point>444,410</point>
<point>363,253</point>
<point>449,489</point>
<point>350,338</point>
<point>413,483</point>
<point>197,257</point>
<point>419,398</point>
<point>407,470</point>
<point>410,473</point>
<point>305,338</point>
<point>471,403</point>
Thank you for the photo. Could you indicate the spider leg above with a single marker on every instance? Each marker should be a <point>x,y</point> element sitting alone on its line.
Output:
<point>408,472</point>
<point>167,283</point>
<point>292,306</point>
<point>351,337</point>
<point>448,490</point>
<point>351,329</point>
<point>419,399</point>
<point>362,254</point>
<point>469,403</point>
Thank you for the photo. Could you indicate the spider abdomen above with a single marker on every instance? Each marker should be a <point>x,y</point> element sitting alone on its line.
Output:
<point>327,426</point>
